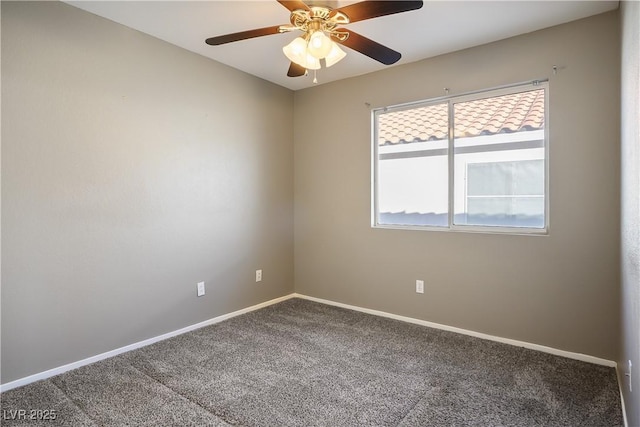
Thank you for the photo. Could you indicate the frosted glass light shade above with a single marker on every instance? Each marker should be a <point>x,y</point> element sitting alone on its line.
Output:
<point>319,44</point>
<point>297,52</point>
<point>311,63</point>
<point>335,55</point>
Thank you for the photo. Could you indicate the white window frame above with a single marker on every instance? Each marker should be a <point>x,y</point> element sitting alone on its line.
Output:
<point>451,100</point>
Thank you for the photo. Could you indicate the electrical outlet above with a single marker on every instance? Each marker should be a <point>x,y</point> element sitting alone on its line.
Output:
<point>420,286</point>
<point>258,275</point>
<point>200,289</point>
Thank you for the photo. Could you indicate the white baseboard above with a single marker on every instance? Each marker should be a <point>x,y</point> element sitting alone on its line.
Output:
<point>542,348</point>
<point>61,369</point>
<point>622,405</point>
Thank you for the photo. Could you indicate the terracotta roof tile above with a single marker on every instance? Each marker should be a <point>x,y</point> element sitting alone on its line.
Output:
<point>489,116</point>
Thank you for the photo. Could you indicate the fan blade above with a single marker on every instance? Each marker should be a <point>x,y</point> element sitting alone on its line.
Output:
<point>373,8</point>
<point>293,5</point>
<point>296,70</point>
<point>373,50</point>
<point>243,35</point>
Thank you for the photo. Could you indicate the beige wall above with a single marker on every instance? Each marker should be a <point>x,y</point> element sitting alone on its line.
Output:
<point>131,170</point>
<point>630,302</point>
<point>561,290</point>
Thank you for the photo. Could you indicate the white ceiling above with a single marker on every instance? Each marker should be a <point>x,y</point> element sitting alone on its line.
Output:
<point>438,27</point>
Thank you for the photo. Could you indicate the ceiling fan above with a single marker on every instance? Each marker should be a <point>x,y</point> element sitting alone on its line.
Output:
<point>322,32</point>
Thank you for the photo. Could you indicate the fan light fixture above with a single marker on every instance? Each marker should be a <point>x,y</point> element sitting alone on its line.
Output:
<point>318,25</point>
<point>308,51</point>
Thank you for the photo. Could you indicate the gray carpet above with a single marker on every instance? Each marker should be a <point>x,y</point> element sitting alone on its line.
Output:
<point>300,363</point>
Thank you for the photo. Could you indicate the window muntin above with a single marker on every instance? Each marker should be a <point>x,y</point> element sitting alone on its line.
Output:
<point>475,162</point>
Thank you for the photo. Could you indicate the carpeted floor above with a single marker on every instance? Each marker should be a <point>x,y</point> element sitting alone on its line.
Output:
<point>300,363</point>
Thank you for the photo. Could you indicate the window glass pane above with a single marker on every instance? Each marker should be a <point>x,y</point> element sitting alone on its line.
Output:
<point>413,166</point>
<point>499,161</point>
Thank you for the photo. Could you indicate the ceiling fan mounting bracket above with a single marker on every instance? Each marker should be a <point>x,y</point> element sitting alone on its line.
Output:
<point>318,18</point>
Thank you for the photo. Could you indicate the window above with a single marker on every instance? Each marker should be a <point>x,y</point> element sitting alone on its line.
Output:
<point>475,162</point>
